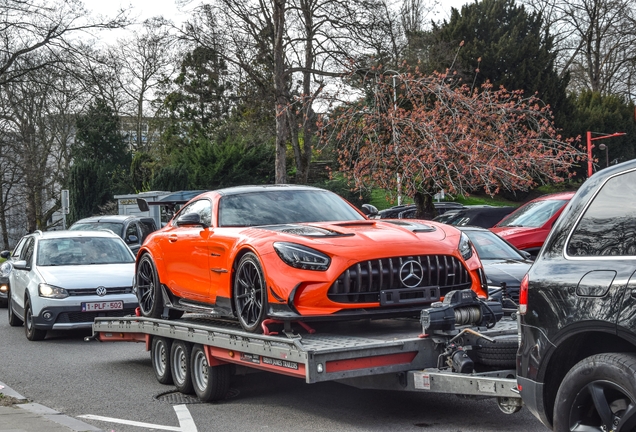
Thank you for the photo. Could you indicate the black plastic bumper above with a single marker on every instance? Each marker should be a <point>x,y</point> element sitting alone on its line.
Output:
<point>532,395</point>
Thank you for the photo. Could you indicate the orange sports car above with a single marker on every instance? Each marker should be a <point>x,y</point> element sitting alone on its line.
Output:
<point>297,253</point>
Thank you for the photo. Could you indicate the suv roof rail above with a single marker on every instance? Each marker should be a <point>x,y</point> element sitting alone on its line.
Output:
<point>38,232</point>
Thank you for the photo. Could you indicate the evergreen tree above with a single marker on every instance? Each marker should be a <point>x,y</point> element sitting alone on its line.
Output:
<point>502,43</point>
<point>89,188</point>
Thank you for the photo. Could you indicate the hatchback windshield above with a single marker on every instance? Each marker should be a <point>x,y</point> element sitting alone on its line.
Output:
<point>533,215</point>
<point>492,247</point>
<point>83,251</point>
<point>115,227</point>
<point>281,207</point>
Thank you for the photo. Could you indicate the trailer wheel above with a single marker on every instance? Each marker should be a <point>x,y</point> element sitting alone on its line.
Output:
<point>160,355</point>
<point>210,383</point>
<point>148,292</point>
<point>180,354</point>
<point>250,293</point>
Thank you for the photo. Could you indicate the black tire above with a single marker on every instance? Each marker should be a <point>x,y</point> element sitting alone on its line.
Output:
<point>32,333</point>
<point>14,321</point>
<point>502,353</point>
<point>180,354</point>
<point>250,293</point>
<point>160,355</point>
<point>148,288</point>
<point>211,383</point>
<point>599,391</point>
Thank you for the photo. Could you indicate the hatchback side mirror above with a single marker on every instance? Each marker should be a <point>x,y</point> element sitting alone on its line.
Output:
<point>20,265</point>
<point>132,239</point>
<point>5,254</point>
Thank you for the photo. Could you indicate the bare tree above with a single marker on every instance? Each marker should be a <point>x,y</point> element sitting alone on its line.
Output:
<point>595,40</point>
<point>291,48</point>
<point>28,26</point>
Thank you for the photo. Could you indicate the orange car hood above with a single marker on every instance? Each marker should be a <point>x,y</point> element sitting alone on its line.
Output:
<point>370,235</point>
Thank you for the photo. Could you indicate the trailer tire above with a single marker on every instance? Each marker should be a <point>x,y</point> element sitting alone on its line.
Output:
<point>210,383</point>
<point>502,353</point>
<point>148,288</point>
<point>160,355</point>
<point>180,354</point>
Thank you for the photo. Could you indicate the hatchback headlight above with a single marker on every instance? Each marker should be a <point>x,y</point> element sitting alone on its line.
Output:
<point>50,291</point>
<point>302,257</point>
<point>465,247</point>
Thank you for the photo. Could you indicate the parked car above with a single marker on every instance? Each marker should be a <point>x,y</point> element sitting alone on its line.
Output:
<point>297,253</point>
<point>504,264</point>
<point>527,227</point>
<point>5,269</point>
<point>64,279</point>
<point>485,217</point>
<point>408,211</point>
<point>132,229</point>
<point>576,365</point>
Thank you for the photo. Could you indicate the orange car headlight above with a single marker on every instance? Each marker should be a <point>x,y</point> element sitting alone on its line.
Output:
<point>302,257</point>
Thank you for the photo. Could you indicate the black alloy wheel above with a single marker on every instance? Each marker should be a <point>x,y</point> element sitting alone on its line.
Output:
<point>32,333</point>
<point>148,288</point>
<point>598,394</point>
<point>250,293</point>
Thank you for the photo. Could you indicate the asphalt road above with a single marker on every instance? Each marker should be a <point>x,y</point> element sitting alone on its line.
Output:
<point>116,381</point>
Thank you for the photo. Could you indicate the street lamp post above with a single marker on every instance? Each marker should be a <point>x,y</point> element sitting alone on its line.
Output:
<point>604,147</point>
<point>589,147</point>
<point>395,139</point>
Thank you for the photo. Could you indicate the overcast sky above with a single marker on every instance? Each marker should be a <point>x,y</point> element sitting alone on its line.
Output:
<point>144,9</point>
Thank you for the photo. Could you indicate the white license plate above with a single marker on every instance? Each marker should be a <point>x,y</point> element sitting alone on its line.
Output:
<point>102,306</point>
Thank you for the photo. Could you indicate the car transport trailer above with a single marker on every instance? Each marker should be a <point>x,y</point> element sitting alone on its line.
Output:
<point>460,346</point>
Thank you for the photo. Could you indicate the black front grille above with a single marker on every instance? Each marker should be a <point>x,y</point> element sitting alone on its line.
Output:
<point>365,281</point>
<point>91,291</point>
<point>81,317</point>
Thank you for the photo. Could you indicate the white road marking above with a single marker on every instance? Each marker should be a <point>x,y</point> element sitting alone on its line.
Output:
<point>186,422</point>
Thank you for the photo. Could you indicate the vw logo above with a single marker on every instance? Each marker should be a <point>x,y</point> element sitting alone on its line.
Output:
<point>411,273</point>
<point>100,291</point>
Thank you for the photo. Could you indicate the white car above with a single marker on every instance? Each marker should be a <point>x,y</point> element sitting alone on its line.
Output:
<point>64,279</point>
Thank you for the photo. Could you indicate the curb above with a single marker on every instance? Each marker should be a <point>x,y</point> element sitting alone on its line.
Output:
<point>47,413</point>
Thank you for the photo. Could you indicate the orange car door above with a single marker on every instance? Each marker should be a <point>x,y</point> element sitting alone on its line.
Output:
<point>186,255</point>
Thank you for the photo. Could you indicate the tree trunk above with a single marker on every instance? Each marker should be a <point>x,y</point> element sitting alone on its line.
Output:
<point>425,207</point>
<point>278,18</point>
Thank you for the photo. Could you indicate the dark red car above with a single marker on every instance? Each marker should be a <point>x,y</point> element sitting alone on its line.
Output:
<point>527,227</point>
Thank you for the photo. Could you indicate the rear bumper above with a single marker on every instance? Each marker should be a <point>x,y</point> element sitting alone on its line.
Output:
<point>532,395</point>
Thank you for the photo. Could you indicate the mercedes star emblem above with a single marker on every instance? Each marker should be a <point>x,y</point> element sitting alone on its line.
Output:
<point>100,291</point>
<point>411,273</point>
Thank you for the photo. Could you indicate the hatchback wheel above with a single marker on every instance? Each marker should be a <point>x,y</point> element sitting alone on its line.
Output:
<point>32,333</point>
<point>14,321</point>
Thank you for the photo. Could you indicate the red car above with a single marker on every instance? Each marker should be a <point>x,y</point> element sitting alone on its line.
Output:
<point>527,227</point>
<point>297,253</point>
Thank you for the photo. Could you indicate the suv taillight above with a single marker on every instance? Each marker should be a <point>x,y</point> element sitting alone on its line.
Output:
<point>523,295</point>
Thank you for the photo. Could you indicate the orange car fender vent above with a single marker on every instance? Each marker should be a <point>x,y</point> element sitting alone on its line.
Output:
<point>369,362</point>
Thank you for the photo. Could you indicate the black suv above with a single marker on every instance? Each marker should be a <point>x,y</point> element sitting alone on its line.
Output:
<point>576,364</point>
<point>132,229</point>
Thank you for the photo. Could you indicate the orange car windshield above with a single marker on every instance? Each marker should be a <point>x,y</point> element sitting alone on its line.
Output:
<point>284,207</point>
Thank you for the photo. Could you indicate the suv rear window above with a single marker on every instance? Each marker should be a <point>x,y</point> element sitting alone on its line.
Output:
<point>608,226</point>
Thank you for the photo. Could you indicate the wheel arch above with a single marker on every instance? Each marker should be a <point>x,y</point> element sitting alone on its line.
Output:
<point>571,350</point>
